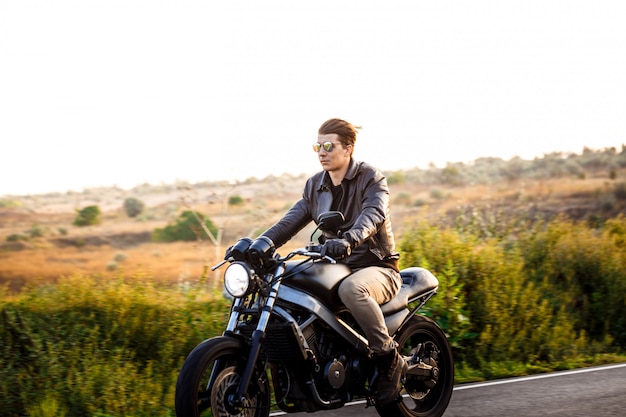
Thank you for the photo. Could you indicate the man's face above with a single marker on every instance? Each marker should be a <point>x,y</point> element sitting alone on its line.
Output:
<point>335,159</point>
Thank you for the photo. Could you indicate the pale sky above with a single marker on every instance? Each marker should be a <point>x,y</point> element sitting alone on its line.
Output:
<point>123,92</point>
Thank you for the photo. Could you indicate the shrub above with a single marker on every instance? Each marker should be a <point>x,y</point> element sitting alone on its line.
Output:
<point>397,177</point>
<point>88,216</point>
<point>403,199</point>
<point>607,202</point>
<point>235,200</point>
<point>35,231</point>
<point>447,255</point>
<point>120,257</point>
<point>437,193</point>
<point>583,270</point>
<point>451,175</point>
<point>620,191</point>
<point>133,206</point>
<point>544,293</point>
<point>87,347</point>
<point>186,228</point>
<point>9,203</point>
<point>16,237</point>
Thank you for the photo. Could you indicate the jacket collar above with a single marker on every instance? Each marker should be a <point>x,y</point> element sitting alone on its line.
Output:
<point>325,181</point>
<point>352,170</point>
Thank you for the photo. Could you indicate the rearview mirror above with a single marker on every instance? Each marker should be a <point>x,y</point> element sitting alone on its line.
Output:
<point>330,221</point>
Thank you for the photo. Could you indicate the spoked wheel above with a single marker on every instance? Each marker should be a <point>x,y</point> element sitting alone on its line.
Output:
<point>209,378</point>
<point>430,378</point>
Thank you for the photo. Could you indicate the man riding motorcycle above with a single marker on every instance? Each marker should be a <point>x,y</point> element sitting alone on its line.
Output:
<point>365,243</point>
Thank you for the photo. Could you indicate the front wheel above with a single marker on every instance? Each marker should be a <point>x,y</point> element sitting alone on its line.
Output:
<point>430,378</point>
<point>210,377</point>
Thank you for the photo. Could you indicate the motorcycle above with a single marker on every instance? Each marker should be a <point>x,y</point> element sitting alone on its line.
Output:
<point>289,333</point>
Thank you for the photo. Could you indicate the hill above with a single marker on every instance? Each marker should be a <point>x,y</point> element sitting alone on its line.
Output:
<point>39,243</point>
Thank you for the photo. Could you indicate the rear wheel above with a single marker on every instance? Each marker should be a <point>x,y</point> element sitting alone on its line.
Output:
<point>430,379</point>
<point>209,380</point>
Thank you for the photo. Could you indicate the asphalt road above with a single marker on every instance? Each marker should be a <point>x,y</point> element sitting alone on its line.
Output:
<point>597,391</point>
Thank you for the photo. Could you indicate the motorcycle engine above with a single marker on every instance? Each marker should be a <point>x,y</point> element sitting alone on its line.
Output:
<point>335,373</point>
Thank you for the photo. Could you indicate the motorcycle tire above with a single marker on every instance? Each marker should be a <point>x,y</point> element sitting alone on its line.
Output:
<point>211,374</point>
<point>421,339</point>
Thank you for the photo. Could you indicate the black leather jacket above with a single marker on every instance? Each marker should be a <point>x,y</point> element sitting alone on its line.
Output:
<point>365,206</point>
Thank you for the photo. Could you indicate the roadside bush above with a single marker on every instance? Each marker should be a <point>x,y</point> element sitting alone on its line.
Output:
<point>88,216</point>
<point>447,255</point>
<point>133,206</point>
<point>186,228</point>
<point>88,347</point>
<point>584,271</point>
<point>546,293</point>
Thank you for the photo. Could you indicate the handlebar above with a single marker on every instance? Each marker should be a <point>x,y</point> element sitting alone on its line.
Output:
<point>311,251</point>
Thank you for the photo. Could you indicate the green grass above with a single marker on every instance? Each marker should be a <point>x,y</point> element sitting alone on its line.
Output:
<point>499,370</point>
<point>86,347</point>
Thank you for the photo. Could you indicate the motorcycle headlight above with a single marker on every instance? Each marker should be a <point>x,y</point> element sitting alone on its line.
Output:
<point>237,279</point>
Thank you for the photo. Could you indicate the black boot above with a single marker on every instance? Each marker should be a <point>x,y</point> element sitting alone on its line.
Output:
<point>391,367</point>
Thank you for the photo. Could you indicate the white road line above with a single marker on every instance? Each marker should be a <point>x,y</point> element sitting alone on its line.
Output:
<point>541,376</point>
<point>508,381</point>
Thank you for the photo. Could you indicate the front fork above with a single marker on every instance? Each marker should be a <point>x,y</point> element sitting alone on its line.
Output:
<point>258,337</point>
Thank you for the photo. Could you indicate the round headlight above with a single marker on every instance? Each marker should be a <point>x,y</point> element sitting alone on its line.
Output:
<point>237,279</point>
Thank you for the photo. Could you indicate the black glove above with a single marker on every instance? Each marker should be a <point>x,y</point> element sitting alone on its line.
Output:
<point>336,248</point>
<point>261,251</point>
<point>239,250</point>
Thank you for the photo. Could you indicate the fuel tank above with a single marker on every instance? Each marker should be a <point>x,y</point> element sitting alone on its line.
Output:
<point>318,279</point>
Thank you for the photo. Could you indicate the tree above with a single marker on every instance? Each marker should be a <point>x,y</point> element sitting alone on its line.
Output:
<point>188,227</point>
<point>133,206</point>
<point>88,216</point>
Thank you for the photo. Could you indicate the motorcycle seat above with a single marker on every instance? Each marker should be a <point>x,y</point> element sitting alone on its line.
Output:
<point>416,282</point>
<point>321,280</point>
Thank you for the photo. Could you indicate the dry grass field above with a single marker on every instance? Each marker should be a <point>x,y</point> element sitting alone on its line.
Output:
<point>122,246</point>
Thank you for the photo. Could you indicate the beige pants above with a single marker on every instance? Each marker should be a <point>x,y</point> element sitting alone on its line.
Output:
<point>363,292</point>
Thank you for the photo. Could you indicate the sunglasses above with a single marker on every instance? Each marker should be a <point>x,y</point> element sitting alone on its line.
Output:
<point>327,146</point>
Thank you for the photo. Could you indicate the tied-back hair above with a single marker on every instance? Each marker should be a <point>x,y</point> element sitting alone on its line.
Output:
<point>345,130</point>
